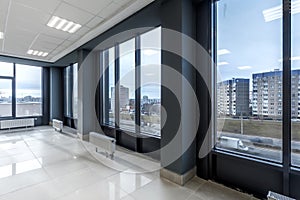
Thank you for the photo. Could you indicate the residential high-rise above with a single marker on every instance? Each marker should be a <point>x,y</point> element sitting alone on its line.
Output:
<point>233,97</point>
<point>123,99</point>
<point>268,95</point>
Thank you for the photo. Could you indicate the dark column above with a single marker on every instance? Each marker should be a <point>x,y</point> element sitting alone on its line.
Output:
<point>179,130</point>
<point>56,93</point>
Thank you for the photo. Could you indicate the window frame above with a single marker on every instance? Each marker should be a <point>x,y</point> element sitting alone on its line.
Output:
<point>14,97</point>
<point>137,120</point>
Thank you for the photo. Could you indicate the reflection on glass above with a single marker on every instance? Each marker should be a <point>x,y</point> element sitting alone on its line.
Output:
<point>127,85</point>
<point>249,78</point>
<point>5,97</point>
<point>6,69</point>
<point>21,167</point>
<point>29,165</point>
<point>71,91</point>
<point>6,171</point>
<point>150,82</point>
<point>295,84</point>
<point>108,86</point>
<point>75,91</point>
<point>28,91</point>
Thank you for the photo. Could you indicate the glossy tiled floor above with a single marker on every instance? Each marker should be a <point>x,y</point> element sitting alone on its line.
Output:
<point>42,164</point>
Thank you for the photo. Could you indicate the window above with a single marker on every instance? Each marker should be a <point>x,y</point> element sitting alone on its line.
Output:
<point>71,91</point>
<point>6,69</point>
<point>143,95</point>
<point>127,85</point>
<point>108,97</point>
<point>28,91</point>
<point>244,57</point>
<point>295,84</point>
<point>150,82</point>
<point>5,98</point>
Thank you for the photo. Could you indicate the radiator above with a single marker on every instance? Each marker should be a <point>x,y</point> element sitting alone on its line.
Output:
<point>276,196</point>
<point>17,123</point>
<point>104,142</point>
<point>57,125</point>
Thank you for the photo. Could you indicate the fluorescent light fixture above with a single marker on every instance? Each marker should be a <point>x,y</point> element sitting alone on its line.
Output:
<point>222,63</point>
<point>244,67</point>
<point>68,26</point>
<point>275,13</point>
<point>1,35</point>
<point>74,28</point>
<point>63,24</point>
<point>53,21</point>
<point>37,53</point>
<point>223,52</point>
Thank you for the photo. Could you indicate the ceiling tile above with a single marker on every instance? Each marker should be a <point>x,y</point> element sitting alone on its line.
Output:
<point>66,43</point>
<point>27,18</point>
<point>74,37</point>
<point>94,22</point>
<point>123,2</point>
<point>56,33</point>
<point>49,38</point>
<point>18,42</point>
<point>110,10</point>
<point>3,13</point>
<point>43,46</point>
<point>92,6</point>
<point>44,6</point>
<point>72,13</point>
<point>83,30</point>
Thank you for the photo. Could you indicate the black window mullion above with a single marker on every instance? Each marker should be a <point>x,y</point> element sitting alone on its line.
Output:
<point>286,95</point>
<point>117,86</point>
<point>101,89</point>
<point>137,84</point>
<point>138,91</point>
<point>106,85</point>
<point>14,97</point>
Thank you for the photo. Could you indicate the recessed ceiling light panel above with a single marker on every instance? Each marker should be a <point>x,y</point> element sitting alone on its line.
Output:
<point>37,53</point>
<point>63,24</point>
<point>1,35</point>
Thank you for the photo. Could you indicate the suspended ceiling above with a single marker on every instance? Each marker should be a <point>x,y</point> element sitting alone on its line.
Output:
<point>24,24</point>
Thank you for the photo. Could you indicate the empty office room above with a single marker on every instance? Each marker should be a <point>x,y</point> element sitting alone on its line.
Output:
<point>149,99</point>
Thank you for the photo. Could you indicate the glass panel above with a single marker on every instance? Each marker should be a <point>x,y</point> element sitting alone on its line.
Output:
<point>75,91</point>
<point>249,77</point>
<point>150,82</point>
<point>28,91</point>
<point>6,69</point>
<point>108,86</point>
<point>295,84</point>
<point>71,91</point>
<point>127,85</point>
<point>5,98</point>
<point>68,88</point>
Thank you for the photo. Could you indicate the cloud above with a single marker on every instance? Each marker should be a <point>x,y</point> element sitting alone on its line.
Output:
<point>223,52</point>
<point>222,63</point>
<point>245,67</point>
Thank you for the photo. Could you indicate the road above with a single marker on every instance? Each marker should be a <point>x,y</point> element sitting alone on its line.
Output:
<point>271,151</point>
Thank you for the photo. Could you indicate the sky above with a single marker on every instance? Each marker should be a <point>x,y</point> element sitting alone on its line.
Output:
<point>28,80</point>
<point>150,65</point>
<point>255,45</point>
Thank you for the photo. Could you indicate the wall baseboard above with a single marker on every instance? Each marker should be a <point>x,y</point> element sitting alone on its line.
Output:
<point>180,179</point>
